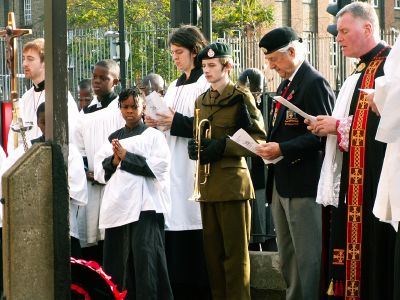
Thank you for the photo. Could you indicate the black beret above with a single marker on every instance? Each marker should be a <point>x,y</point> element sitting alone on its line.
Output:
<point>215,50</point>
<point>277,39</point>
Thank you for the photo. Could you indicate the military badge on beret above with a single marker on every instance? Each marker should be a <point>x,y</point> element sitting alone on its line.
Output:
<point>215,50</point>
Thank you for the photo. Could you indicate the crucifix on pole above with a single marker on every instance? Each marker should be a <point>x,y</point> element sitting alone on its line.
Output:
<point>11,33</point>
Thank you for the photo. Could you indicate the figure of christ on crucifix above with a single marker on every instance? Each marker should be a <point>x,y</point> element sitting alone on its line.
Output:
<point>11,33</point>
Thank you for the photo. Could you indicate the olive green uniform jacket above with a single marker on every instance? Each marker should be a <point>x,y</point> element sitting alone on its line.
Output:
<point>235,108</point>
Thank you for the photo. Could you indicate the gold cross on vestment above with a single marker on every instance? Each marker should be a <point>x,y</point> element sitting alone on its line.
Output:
<point>358,138</point>
<point>354,251</point>
<point>353,288</point>
<point>355,214</point>
<point>355,175</point>
<point>363,103</point>
<point>338,256</point>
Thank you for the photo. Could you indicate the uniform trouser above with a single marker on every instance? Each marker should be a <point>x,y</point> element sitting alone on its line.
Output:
<point>298,225</point>
<point>226,232</point>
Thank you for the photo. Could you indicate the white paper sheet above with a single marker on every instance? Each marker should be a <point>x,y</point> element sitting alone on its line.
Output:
<point>367,91</point>
<point>155,104</point>
<point>242,138</point>
<point>294,108</point>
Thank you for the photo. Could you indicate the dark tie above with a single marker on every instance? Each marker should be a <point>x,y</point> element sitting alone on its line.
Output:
<point>213,95</point>
<point>282,92</point>
<point>284,85</point>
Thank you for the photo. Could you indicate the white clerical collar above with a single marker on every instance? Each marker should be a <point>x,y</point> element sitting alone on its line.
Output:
<point>295,71</point>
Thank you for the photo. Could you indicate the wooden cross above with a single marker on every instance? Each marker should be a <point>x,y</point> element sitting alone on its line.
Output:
<point>10,34</point>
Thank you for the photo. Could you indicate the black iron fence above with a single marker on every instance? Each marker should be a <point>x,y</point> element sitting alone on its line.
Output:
<point>149,52</point>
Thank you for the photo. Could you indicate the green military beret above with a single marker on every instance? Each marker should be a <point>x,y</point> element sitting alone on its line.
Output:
<point>277,39</point>
<point>215,50</point>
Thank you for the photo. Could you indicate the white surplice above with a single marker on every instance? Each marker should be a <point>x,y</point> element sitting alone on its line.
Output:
<point>28,105</point>
<point>77,187</point>
<point>126,194</point>
<point>387,202</point>
<point>92,131</point>
<point>329,181</point>
<point>185,214</point>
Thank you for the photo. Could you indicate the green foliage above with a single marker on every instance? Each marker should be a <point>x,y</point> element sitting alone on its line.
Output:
<point>145,21</point>
<point>104,13</point>
<point>147,29</point>
<point>240,15</point>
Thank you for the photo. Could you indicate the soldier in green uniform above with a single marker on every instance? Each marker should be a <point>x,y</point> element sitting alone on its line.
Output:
<point>225,197</point>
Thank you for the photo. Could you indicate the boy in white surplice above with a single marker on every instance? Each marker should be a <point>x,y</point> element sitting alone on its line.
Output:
<point>135,165</point>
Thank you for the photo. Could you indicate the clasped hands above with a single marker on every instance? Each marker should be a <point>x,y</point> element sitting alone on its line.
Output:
<point>119,152</point>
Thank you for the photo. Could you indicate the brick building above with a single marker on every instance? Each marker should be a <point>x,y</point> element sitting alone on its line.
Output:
<point>311,15</point>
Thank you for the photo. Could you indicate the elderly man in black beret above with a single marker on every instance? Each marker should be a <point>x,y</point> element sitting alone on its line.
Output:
<point>292,182</point>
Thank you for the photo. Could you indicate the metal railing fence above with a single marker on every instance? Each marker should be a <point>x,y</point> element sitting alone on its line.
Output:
<point>149,52</point>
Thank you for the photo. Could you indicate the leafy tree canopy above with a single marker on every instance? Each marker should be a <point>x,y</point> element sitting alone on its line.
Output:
<point>240,15</point>
<point>227,14</point>
<point>104,13</point>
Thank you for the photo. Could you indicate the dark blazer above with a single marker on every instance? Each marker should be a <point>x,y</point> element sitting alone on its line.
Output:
<point>298,173</point>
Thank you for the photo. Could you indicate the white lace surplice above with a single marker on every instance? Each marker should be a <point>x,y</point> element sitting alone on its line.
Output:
<point>329,182</point>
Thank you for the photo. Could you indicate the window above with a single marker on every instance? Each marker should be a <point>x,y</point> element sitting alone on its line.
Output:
<point>375,3</point>
<point>28,12</point>
<point>397,4</point>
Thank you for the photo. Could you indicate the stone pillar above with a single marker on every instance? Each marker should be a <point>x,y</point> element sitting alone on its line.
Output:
<point>30,235</point>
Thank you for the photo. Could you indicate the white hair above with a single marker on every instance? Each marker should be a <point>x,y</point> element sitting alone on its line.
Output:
<point>299,48</point>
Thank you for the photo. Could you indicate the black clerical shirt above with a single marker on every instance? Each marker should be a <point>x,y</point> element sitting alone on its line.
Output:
<point>133,163</point>
<point>104,101</point>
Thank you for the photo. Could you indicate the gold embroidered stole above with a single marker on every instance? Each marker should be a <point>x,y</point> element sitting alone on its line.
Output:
<point>356,181</point>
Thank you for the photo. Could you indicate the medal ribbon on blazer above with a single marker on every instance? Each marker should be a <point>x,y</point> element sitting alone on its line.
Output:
<point>355,188</point>
<point>278,104</point>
